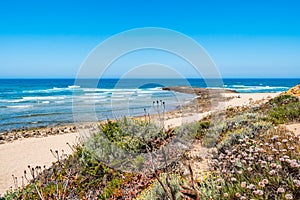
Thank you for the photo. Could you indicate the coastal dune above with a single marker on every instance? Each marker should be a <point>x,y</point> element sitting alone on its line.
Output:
<point>17,155</point>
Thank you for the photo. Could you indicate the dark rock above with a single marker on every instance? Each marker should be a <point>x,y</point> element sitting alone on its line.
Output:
<point>197,91</point>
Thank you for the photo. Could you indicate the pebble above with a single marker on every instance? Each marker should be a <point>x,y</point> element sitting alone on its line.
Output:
<point>42,132</point>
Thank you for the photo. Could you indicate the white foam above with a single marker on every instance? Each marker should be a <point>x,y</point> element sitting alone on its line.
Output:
<point>123,92</point>
<point>13,101</point>
<point>118,96</point>
<point>19,106</point>
<point>54,89</point>
<point>92,90</point>
<point>96,93</point>
<point>260,87</point>
<point>73,86</point>
<point>34,91</point>
<point>43,98</point>
<point>101,100</point>
<point>59,102</point>
<point>238,86</point>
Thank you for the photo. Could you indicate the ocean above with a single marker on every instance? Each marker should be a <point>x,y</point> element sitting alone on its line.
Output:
<point>26,103</point>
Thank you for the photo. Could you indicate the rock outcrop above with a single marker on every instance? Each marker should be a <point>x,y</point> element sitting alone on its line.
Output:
<point>204,97</point>
<point>198,91</point>
<point>295,91</point>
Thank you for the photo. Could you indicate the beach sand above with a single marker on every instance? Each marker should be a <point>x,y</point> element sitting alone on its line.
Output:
<point>17,155</point>
<point>235,99</point>
<point>246,99</point>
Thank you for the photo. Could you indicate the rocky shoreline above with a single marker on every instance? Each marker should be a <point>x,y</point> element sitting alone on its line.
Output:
<point>198,91</point>
<point>39,132</point>
<point>36,132</point>
<point>204,97</point>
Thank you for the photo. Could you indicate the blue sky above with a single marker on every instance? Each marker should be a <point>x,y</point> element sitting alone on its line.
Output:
<point>244,38</point>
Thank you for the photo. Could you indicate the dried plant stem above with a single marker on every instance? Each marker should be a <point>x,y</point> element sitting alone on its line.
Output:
<point>169,193</point>
<point>192,175</point>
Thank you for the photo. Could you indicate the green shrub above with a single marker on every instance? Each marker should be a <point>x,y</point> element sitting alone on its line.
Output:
<point>156,191</point>
<point>282,100</point>
<point>285,113</point>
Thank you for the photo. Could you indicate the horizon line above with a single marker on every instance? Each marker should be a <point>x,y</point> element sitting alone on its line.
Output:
<point>93,78</point>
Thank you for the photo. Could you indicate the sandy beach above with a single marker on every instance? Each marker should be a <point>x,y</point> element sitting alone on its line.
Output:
<point>235,99</point>
<point>17,154</point>
<point>246,99</point>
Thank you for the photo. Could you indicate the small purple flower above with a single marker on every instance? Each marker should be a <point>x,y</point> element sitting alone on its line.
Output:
<point>265,181</point>
<point>219,180</point>
<point>297,183</point>
<point>280,190</point>
<point>289,196</point>
<point>273,165</point>
<point>233,179</point>
<point>272,172</point>
<point>251,187</point>
<point>261,184</point>
<point>284,141</point>
<point>243,184</point>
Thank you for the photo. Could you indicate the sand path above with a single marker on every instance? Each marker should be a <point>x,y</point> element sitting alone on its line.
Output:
<point>294,128</point>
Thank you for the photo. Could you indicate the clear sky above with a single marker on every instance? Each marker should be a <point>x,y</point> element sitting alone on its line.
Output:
<point>245,38</point>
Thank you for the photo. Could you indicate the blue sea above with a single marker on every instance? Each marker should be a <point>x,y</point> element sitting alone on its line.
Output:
<point>26,103</point>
